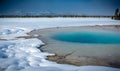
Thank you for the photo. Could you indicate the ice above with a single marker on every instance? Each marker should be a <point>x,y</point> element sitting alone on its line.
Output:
<point>19,54</point>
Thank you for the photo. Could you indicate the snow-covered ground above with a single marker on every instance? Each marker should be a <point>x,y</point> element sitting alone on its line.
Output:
<point>19,54</point>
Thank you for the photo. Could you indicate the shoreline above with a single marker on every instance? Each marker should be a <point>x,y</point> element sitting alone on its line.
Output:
<point>87,60</point>
<point>83,60</point>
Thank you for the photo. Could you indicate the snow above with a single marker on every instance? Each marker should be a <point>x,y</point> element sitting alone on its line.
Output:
<point>20,54</point>
<point>23,25</point>
<point>11,33</point>
<point>37,23</point>
<point>23,55</point>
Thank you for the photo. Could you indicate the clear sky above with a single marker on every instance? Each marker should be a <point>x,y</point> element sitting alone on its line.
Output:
<point>81,7</point>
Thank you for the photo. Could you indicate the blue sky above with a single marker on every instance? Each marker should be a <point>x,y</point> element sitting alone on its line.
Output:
<point>81,7</point>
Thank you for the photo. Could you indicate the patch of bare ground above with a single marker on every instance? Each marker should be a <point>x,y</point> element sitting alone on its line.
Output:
<point>86,60</point>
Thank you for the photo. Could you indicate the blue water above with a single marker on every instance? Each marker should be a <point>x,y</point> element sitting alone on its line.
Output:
<point>88,37</point>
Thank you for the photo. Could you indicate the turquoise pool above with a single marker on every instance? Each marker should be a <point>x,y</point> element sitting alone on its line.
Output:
<point>87,37</point>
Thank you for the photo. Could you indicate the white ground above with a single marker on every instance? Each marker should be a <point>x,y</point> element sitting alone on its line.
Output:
<point>23,55</point>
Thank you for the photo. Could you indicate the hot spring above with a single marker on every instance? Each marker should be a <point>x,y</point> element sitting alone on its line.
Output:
<point>86,37</point>
<point>82,42</point>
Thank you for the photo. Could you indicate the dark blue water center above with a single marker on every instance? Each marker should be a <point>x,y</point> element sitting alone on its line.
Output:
<point>88,37</point>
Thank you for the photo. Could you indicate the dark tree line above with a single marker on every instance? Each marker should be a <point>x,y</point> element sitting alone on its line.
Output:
<point>117,14</point>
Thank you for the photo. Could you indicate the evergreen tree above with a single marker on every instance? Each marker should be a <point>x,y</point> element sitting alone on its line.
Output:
<point>116,12</point>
